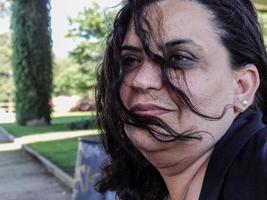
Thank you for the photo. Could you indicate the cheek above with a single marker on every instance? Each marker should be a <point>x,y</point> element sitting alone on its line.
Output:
<point>211,92</point>
<point>126,90</point>
<point>220,95</point>
<point>125,94</point>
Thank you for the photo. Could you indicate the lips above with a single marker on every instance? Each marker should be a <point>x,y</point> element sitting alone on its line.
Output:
<point>150,110</point>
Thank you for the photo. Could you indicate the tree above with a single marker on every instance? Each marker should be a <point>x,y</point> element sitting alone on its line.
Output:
<point>263,21</point>
<point>71,78</point>
<point>32,60</point>
<point>89,30</point>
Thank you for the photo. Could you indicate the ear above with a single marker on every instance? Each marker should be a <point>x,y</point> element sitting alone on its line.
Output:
<point>247,82</point>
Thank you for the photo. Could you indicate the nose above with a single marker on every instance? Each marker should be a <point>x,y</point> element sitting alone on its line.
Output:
<point>148,76</point>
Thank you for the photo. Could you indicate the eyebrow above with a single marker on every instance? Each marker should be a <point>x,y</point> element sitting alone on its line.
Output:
<point>131,48</point>
<point>179,42</point>
<point>167,44</point>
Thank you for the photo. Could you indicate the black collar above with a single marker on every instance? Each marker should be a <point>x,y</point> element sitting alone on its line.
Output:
<point>226,150</point>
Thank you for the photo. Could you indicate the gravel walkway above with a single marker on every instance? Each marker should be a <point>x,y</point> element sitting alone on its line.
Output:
<point>23,178</point>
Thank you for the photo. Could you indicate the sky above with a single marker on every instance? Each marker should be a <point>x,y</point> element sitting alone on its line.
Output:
<point>60,10</point>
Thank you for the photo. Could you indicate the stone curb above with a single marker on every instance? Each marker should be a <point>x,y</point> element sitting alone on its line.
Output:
<point>52,168</point>
<point>7,137</point>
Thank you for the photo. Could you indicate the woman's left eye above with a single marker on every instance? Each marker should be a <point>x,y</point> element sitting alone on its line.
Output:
<point>181,59</point>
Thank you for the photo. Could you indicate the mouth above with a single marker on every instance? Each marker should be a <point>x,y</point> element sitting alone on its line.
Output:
<point>149,110</point>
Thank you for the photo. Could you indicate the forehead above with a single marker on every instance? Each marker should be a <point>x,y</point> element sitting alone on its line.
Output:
<point>179,19</point>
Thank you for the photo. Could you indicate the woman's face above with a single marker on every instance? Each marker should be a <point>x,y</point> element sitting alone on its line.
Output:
<point>190,42</point>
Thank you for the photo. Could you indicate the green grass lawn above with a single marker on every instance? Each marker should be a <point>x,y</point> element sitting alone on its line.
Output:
<point>60,122</point>
<point>62,153</point>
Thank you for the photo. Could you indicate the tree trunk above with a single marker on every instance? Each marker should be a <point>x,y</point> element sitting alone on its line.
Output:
<point>32,60</point>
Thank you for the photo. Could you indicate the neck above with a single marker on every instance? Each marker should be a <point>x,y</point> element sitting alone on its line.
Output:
<point>186,184</point>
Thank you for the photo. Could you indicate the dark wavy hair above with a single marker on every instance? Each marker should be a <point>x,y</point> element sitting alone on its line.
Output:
<point>128,173</point>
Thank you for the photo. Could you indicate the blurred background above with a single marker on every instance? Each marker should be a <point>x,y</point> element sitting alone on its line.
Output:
<point>78,29</point>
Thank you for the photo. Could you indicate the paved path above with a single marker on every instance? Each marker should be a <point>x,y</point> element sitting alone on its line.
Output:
<point>4,137</point>
<point>23,178</point>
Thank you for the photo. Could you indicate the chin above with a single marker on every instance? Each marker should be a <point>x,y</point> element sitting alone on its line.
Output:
<point>143,140</point>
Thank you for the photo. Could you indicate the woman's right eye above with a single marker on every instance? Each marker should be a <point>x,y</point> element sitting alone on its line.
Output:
<point>131,61</point>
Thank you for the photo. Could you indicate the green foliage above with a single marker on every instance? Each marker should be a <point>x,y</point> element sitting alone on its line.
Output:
<point>71,78</point>
<point>83,124</point>
<point>7,87</point>
<point>89,30</point>
<point>32,60</point>
<point>89,23</point>
<point>263,22</point>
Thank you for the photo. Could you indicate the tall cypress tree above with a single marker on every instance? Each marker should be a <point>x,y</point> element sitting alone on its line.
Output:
<point>32,60</point>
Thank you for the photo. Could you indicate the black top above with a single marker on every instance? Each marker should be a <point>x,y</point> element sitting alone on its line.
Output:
<point>237,169</point>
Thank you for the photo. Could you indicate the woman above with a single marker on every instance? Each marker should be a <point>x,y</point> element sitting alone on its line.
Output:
<point>180,102</point>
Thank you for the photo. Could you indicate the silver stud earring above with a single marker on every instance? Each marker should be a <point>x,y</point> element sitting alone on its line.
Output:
<point>244,103</point>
